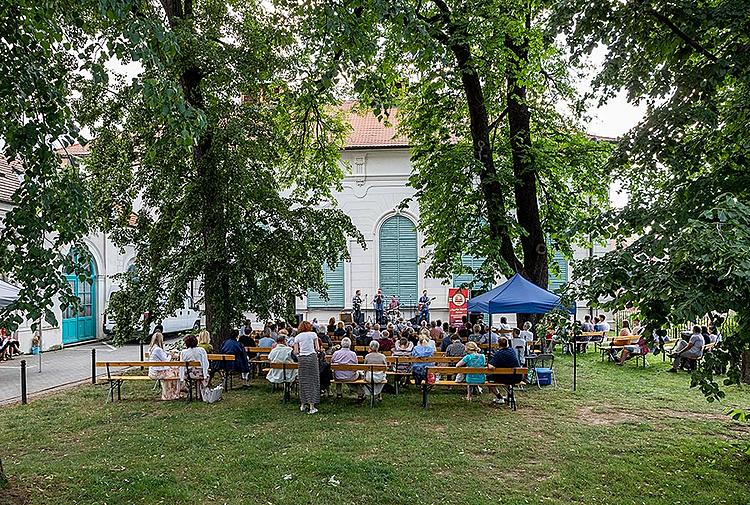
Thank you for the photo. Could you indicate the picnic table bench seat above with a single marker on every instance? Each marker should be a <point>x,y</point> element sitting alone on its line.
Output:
<point>116,381</point>
<point>520,372</point>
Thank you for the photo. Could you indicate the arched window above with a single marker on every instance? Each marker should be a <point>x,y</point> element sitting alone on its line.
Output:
<point>398,259</point>
<point>335,281</point>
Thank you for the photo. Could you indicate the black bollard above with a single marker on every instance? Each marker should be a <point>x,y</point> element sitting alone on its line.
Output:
<point>24,399</point>
<point>93,366</point>
<point>575,363</point>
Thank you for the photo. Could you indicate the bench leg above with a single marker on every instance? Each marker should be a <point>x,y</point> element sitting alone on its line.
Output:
<point>287,392</point>
<point>424,394</point>
<point>512,396</point>
<point>119,387</point>
<point>111,392</point>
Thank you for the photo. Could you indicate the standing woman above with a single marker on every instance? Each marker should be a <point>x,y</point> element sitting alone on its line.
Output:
<point>306,347</point>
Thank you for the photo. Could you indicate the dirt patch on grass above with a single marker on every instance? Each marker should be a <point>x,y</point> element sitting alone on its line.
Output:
<point>14,495</point>
<point>607,415</point>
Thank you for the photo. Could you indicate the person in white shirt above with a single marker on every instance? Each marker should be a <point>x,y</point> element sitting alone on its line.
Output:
<point>166,375</point>
<point>504,324</point>
<point>526,334</point>
<point>306,347</point>
<point>194,353</point>
<point>282,353</point>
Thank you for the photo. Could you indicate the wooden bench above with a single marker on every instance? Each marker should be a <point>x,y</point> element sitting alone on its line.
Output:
<point>583,341</point>
<point>115,381</point>
<point>520,372</point>
<point>360,367</point>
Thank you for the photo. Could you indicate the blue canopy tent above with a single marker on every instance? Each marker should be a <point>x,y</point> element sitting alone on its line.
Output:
<point>520,296</point>
<point>516,295</point>
<point>8,293</point>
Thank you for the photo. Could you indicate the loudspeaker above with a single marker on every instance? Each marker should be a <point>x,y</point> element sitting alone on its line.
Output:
<point>346,317</point>
<point>299,318</point>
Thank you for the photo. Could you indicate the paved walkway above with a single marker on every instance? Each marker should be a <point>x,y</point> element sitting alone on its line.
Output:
<point>58,368</point>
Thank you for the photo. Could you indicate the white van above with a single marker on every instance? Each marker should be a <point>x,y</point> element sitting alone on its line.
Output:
<point>184,319</point>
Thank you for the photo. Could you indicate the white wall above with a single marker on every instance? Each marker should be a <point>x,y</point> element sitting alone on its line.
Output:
<point>108,261</point>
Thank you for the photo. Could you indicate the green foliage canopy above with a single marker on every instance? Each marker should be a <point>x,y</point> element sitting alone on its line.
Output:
<point>216,164</point>
<point>685,166</point>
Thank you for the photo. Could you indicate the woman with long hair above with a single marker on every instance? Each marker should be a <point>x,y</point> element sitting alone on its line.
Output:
<point>306,347</point>
<point>166,375</point>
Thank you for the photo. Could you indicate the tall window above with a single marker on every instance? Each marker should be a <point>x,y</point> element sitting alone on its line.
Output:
<point>556,281</point>
<point>335,280</point>
<point>398,259</point>
<point>465,278</point>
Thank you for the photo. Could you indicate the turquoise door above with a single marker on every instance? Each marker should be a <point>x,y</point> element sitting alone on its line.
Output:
<point>398,260</point>
<point>81,324</point>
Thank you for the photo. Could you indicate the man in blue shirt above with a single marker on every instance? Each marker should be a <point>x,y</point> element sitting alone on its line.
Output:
<point>267,340</point>
<point>505,357</point>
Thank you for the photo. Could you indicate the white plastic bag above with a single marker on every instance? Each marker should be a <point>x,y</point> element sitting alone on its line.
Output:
<point>213,395</point>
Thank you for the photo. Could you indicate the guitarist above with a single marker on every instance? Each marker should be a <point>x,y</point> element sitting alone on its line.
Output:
<point>424,306</point>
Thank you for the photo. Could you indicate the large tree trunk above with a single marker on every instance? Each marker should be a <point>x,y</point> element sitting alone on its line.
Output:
<point>746,366</point>
<point>480,135</point>
<point>533,243</point>
<point>216,288</point>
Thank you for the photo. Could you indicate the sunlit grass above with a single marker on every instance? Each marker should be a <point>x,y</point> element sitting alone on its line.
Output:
<point>628,435</point>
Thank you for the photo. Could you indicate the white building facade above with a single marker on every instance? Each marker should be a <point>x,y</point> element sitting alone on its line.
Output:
<point>378,167</point>
<point>107,259</point>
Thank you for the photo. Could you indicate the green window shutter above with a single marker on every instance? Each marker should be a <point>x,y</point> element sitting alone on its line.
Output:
<point>472,262</point>
<point>335,281</point>
<point>465,278</point>
<point>557,281</point>
<point>398,259</point>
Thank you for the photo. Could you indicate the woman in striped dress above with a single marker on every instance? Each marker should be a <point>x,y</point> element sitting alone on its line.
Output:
<point>306,347</point>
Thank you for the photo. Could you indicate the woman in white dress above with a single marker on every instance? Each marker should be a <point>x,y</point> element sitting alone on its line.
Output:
<point>166,375</point>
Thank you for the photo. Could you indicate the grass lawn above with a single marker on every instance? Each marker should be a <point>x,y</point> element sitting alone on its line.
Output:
<point>629,435</point>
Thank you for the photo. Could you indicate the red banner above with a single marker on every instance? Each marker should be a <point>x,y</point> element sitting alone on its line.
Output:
<point>457,305</point>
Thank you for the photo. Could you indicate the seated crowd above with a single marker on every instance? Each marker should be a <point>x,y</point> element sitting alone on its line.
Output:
<point>315,348</point>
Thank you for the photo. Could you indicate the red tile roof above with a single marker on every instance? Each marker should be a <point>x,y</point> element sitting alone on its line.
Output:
<point>369,132</point>
<point>9,182</point>
<point>73,150</point>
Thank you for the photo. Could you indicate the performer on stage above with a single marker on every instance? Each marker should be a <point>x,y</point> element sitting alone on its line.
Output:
<point>394,307</point>
<point>424,307</point>
<point>357,307</point>
<point>379,303</point>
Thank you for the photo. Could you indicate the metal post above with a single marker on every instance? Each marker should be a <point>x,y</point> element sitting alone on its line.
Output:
<point>93,366</point>
<point>40,346</point>
<point>24,399</point>
<point>575,361</point>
